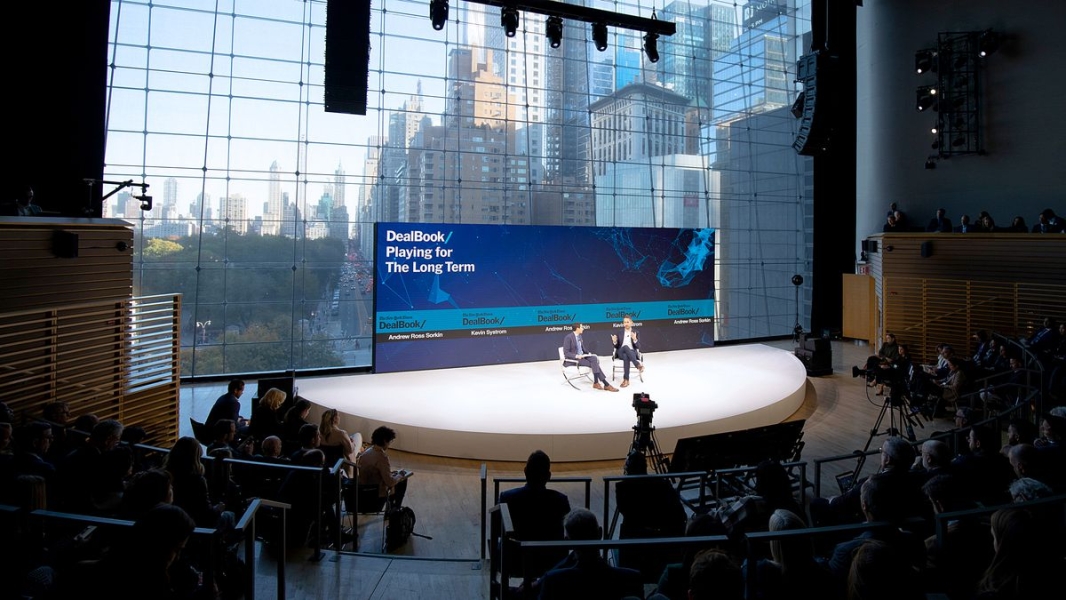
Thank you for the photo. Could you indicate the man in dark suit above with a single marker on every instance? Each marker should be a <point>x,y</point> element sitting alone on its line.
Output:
<point>228,405</point>
<point>537,512</point>
<point>964,225</point>
<point>590,576</point>
<point>940,223</point>
<point>574,350</point>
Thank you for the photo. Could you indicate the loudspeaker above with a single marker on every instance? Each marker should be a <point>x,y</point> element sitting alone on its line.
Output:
<point>816,354</point>
<point>815,130</point>
<point>869,246</point>
<point>65,244</point>
<point>347,56</point>
<point>927,249</point>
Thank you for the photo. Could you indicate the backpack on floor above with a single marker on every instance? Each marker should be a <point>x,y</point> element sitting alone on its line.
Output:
<point>400,524</point>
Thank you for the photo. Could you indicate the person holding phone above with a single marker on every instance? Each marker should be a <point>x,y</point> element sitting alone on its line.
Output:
<point>626,348</point>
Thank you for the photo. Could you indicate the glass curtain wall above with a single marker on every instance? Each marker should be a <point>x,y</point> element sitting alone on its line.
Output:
<point>264,204</point>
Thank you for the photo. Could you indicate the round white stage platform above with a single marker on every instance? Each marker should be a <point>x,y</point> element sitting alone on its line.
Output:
<point>504,412</point>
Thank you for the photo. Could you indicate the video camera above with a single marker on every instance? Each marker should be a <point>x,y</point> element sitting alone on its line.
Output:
<point>644,405</point>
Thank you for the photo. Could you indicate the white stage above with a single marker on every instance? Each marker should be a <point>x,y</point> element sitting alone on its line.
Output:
<point>504,412</point>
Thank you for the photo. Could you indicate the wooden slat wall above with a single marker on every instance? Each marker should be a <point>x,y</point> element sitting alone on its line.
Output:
<point>70,329</point>
<point>1002,282</point>
<point>33,276</point>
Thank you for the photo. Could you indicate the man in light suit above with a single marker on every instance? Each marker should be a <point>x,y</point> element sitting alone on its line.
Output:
<point>573,350</point>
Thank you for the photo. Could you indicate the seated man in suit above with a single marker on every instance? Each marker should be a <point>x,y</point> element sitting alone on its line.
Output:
<point>940,223</point>
<point>626,347</point>
<point>574,350</point>
<point>538,512</point>
<point>588,575</point>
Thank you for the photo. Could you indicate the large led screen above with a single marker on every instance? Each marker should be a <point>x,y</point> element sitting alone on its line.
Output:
<point>463,295</point>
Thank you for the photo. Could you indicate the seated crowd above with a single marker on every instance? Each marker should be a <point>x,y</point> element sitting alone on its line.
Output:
<point>96,468</point>
<point>896,221</point>
<point>47,463</point>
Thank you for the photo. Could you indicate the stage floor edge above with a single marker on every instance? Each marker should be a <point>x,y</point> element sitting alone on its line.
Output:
<point>504,412</point>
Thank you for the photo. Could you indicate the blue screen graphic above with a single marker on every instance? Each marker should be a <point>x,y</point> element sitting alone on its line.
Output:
<point>464,295</point>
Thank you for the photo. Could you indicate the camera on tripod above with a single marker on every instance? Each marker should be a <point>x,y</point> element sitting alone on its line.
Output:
<point>645,407</point>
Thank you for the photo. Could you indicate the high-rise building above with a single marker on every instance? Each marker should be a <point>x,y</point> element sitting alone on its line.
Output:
<point>753,75</point>
<point>169,210</point>
<point>526,75</point>
<point>233,212</point>
<point>635,124</point>
<point>566,152</point>
<point>272,213</point>
<point>671,191</point>
<point>685,64</point>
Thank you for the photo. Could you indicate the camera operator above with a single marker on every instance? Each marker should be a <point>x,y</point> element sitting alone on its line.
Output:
<point>886,356</point>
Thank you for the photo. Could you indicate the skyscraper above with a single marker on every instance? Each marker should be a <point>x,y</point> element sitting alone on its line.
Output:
<point>272,215</point>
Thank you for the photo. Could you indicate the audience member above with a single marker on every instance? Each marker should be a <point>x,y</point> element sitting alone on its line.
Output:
<point>537,512</point>
<point>773,490</point>
<point>228,405</point>
<point>649,507</point>
<point>190,486</point>
<point>793,569</point>
<point>897,457</point>
<point>310,438</point>
<point>143,566</point>
<point>882,571</point>
<point>935,459</point>
<point>1019,431</point>
<point>964,225</point>
<point>984,471</point>
<point>1048,222</point>
<point>22,205</point>
<point>586,574</point>
<point>940,223</point>
<point>335,437</point>
<point>301,490</point>
<point>225,431</point>
<point>674,582</point>
<point>270,451</point>
<point>83,475</point>
<point>955,563</point>
<point>32,457</point>
<point>1017,225</point>
<point>295,418</point>
<point>881,501</point>
<point>266,418</point>
<point>58,415</point>
<point>1026,489</point>
<point>374,468</point>
<point>145,490</point>
<point>715,576</point>
<point>1022,567</point>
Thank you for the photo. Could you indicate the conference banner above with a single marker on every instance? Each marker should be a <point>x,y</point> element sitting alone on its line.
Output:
<point>461,295</point>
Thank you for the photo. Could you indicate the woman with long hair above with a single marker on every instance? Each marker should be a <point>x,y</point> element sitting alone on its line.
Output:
<point>190,486</point>
<point>1026,563</point>
<point>334,436</point>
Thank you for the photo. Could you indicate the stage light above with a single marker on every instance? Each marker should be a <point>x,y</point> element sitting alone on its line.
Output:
<point>933,130</point>
<point>925,60</point>
<point>438,13</point>
<point>509,20</point>
<point>987,42</point>
<point>651,46</point>
<point>599,35</point>
<point>553,28</point>
<point>926,98</point>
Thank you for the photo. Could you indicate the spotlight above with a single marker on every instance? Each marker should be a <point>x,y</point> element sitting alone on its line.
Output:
<point>933,131</point>
<point>553,28</point>
<point>925,60</point>
<point>509,20</point>
<point>146,202</point>
<point>987,42</point>
<point>930,163</point>
<point>599,35</point>
<point>926,98</point>
<point>651,46</point>
<point>438,13</point>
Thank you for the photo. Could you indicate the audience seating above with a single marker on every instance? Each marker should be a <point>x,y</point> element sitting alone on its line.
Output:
<point>201,432</point>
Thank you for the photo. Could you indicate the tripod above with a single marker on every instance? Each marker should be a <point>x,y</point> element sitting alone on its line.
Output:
<point>644,442</point>
<point>900,415</point>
